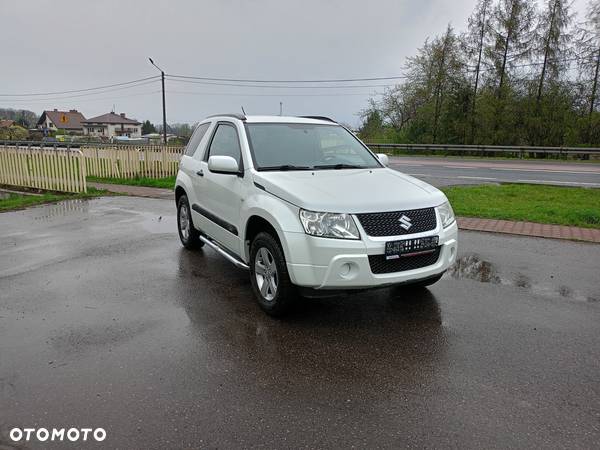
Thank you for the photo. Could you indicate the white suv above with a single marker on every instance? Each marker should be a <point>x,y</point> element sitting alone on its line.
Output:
<point>305,206</point>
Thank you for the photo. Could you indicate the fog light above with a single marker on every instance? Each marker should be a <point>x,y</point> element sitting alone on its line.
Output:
<point>345,269</point>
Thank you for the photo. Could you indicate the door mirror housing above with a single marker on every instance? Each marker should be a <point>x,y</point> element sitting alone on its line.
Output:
<point>223,164</point>
<point>383,159</point>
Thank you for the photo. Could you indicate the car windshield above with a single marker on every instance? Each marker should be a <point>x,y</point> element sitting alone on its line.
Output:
<point>300,146</point>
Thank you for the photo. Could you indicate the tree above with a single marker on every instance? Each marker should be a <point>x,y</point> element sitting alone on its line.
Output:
<point>25,118</point>
<point>372,126</point>
<point>148,127</point>
<point>553,41</point>
<point>512,34</point>
<point>14,132</point>
<point>588,51</point>
<point>473,43</point>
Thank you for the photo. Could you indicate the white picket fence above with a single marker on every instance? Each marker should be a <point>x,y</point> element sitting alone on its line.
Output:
<point>43,168</point>
<point>132,161</point>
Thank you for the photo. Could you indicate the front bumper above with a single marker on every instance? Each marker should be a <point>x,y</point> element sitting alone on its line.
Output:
<point>344,264</point>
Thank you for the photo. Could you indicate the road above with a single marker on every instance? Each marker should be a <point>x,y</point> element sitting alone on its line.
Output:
<point>105,321</point>
<point>446,171</point>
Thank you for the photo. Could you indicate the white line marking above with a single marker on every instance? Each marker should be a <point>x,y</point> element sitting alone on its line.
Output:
<point>461,167</point>
<point>568,183</point>
<point>546,170</point>
<point>478,178</point>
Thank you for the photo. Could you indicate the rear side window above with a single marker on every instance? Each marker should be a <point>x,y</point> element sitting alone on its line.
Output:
<point>192,146</point>
<point>225,142</point>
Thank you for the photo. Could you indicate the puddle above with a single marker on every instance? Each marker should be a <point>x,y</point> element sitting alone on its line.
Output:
<point>472,267</point>
<point>62,209</point>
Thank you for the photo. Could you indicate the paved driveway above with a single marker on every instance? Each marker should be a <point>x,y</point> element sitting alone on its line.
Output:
<point>105,321</point>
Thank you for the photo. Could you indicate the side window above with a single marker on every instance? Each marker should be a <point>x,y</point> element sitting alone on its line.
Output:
<point>225,142</point>
<point>192,146</point>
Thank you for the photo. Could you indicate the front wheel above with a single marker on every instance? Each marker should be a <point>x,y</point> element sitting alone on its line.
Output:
<point>189,236</point>
<point>269,276</point>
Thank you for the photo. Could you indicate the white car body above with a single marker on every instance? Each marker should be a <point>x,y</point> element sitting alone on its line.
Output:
<point>223,207</point>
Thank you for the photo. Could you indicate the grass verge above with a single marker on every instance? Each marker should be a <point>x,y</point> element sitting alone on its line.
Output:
<point>165,183</point>
<point>19,201</point>
<point>528,202</point>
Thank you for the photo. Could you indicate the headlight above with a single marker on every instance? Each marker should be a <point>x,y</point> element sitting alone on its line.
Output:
<point>330,225</point>
<point>446,214</point>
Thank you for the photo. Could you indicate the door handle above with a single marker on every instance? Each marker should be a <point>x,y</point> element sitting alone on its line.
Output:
<point>200,173</point>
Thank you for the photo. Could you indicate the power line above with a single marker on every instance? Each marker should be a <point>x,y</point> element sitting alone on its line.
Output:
<point>86,95</point>
<point>332,80</point>
<point>37,100</point>
<point>279,86</point>
<point>81,90</point>
<point>232,94</point>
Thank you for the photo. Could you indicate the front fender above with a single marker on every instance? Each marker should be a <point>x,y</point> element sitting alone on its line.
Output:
<point>282,216</point>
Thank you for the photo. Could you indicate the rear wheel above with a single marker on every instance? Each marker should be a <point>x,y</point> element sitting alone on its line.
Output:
<point>189,236</point>
<point>269,276</point>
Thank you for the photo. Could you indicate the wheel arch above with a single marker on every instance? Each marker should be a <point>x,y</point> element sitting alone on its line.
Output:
<point>255,224</point>
<point>179,191</point>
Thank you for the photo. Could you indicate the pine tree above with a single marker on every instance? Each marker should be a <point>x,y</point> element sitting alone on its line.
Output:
<point>473,42</point>
<point>554,41</point>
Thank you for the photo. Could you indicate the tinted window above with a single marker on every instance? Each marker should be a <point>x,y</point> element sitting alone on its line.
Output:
<point>307,146</point>
<point>192,146</point>
<point>225,143</point>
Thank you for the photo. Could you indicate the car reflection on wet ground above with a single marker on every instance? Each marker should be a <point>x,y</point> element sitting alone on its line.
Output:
<point>105,321</point>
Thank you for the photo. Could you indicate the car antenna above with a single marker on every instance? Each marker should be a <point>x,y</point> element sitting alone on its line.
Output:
<point>243,110</point>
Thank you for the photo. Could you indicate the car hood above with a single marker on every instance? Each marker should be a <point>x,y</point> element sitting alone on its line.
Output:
<point>350,190</point>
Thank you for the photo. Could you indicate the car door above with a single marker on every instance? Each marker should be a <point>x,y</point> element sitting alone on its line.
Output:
<point>190,164</point>
<point>224,192</point>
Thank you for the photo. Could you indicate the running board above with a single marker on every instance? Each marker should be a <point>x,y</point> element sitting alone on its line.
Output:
<point>224,253</point>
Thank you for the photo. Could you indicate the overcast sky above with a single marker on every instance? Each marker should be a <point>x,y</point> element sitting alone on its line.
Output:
<point>63,45</point>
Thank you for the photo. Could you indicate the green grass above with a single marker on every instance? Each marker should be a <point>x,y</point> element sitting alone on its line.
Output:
<point>20,201</point>
<point>166,183</point>
<point>533,203</point>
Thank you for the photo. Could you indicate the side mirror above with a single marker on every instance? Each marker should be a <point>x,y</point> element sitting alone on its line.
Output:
<point>223,164</point>
<point>383,159</point>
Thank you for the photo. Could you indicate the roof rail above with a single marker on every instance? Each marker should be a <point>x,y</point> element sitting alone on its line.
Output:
<point>318,118</point>
<point>234,115</point>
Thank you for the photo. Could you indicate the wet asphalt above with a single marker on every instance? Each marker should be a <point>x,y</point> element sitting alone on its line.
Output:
<point>105,321</point>
<point>441,171</point>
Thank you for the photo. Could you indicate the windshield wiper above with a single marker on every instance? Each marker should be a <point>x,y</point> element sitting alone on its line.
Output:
<point>340,166</point>
<point>285,167</point>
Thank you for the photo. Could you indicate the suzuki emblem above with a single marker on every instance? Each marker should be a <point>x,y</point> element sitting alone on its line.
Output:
<point>405,222</point>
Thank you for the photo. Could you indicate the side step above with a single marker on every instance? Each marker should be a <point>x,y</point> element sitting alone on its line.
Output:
<point>224,253</point>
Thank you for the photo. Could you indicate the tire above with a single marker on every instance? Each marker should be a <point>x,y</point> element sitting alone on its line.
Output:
<point>189,236</point>
<point>270,280</point>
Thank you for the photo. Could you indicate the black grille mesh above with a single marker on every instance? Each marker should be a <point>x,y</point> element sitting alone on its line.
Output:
<point>387,223</point>
<point>381,265</point>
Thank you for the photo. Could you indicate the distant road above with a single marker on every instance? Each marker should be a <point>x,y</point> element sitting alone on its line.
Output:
<point>448,171</point>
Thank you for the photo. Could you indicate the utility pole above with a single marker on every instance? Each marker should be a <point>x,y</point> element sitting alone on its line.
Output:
<point>164,107</point>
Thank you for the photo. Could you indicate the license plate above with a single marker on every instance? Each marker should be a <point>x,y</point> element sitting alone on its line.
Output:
<point>409,247</point>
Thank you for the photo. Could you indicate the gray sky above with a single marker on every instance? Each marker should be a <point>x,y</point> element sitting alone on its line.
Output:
<point>63,45</point>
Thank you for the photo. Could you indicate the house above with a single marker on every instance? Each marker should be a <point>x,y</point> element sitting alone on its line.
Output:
<point>111,125</point>
<point>69,121</point>
<point>6,123</point>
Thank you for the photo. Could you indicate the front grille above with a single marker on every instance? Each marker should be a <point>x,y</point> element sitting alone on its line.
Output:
<point>379,264</point>
<point>388,223</point>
